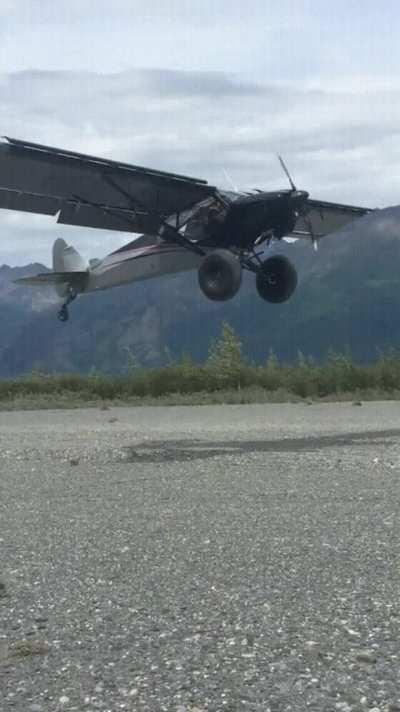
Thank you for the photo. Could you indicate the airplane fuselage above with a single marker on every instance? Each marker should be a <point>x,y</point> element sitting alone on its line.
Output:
<point>132,264</point>
<point>248,217</point>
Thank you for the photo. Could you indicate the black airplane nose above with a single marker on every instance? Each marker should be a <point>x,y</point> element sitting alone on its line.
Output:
<point>300,195</point>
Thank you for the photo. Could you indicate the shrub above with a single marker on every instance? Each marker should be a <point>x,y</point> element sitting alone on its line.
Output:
<point>225,371</point>
<point>225,364</point>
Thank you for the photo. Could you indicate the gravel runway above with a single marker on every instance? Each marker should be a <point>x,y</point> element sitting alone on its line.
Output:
<point>200,558</point>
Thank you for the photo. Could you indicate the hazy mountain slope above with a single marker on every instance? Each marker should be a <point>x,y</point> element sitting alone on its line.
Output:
<point>348,296</point>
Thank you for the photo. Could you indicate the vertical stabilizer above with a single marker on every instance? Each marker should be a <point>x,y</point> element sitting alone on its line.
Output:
<point>66,259</point>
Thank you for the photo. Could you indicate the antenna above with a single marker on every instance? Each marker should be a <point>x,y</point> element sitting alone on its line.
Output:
<point>229,179</point>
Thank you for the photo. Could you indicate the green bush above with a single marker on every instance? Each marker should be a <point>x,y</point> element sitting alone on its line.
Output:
<point>387,371</point>
<point>224,375</point>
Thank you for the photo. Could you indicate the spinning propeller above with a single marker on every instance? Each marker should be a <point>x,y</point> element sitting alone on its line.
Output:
<point>285,169</point>
<point>302,209</point>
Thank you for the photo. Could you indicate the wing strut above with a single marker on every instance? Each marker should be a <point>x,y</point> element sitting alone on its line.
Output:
<point>169,233</point>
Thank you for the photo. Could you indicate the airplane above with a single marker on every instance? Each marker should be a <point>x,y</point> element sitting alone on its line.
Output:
<point>183,222</point>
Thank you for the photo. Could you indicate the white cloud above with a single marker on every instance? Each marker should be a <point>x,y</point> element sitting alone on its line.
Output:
<point>299,39</point>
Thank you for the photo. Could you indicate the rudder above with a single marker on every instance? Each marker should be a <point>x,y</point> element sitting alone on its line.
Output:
<point>66,259</point>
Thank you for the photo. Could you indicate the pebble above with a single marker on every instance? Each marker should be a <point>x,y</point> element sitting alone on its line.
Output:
<point>41,619</point>
<point>366,656</point>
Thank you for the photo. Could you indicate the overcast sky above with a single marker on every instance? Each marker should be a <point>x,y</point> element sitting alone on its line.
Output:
<point>201,86</point>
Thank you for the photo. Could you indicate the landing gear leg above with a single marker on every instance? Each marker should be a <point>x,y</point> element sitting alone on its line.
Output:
<point>63,314</point>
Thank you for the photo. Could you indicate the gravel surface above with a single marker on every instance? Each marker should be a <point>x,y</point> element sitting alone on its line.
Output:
<point>192,559</point>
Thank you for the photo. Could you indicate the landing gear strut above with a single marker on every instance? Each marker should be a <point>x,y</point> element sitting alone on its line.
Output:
<point>63,314</point>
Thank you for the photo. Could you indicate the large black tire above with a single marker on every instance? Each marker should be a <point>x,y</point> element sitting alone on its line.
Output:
<point>276,279</point>
<point>220,275</point>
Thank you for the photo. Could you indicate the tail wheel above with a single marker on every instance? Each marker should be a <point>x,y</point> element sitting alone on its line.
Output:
<point>276,279</point>
<point>220,275</point>
<point>63,314</point>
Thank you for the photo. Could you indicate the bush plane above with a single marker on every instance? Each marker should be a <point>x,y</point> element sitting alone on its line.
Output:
<point>183,223</point>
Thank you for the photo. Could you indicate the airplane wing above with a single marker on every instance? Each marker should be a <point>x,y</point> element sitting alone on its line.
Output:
<point>92,192</point>
<point>322,218</point>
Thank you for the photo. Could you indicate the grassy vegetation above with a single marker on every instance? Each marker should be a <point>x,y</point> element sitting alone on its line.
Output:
<point>225,377</point>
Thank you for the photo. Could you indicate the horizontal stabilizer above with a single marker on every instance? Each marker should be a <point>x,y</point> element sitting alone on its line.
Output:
<point>75,279</point>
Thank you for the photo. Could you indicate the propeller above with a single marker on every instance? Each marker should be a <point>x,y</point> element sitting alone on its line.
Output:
<point>303,212</point>
<point>285,169</point>
<point>310,228</point>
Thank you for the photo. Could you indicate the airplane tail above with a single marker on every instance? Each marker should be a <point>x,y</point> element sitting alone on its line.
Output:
<point>69,270</point>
